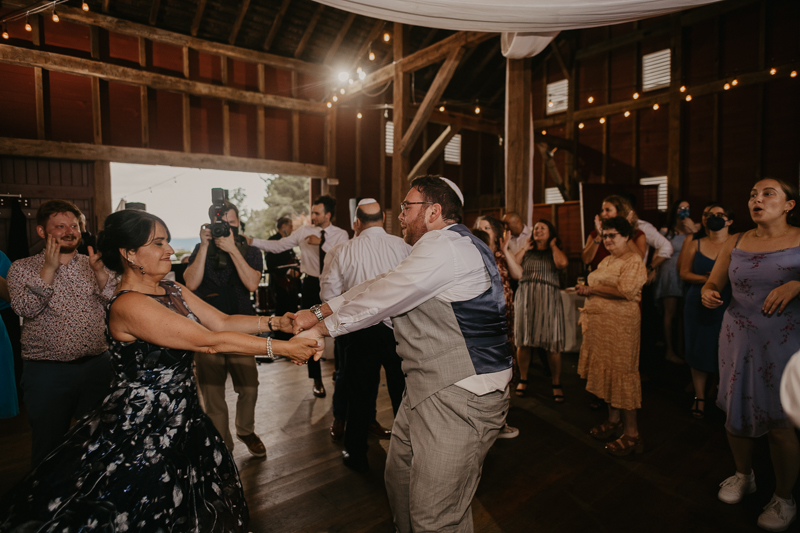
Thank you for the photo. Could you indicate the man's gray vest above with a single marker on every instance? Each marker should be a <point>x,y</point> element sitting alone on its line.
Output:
<point>442,343</point>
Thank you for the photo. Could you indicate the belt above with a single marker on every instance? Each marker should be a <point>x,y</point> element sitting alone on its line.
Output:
<point>78,361</point>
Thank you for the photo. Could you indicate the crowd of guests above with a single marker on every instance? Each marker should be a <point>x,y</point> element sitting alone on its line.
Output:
<point>160,352</point>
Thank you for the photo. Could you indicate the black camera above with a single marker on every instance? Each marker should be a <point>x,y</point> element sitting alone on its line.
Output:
<point>218,227</point>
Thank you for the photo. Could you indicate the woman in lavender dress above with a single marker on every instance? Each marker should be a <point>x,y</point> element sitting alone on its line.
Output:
<point>760,332</point>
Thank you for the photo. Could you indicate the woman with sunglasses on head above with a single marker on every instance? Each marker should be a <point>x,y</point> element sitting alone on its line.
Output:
<point>702,325</point>
<point>760,333</point>
<point>609,358</point>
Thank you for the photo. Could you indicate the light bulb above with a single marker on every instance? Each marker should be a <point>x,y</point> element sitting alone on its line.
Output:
<point>544,132</point>
<point>580,126</point>
<point>477,110</point>
<point>683,88</point>
<point>5,34</point>
<point>635,96</point>
<point>627,113</point>
<point>726,86</point>
<point>602,120</point>
<point>550,103</point>
<point>688,97</point>
<point>772,71</point>
<point>28,27</point>
<point>362,75</point>
<point>735,83</point>
<point>359,115</point>
<point>441,109</point>
<point>350,81</point>
<point>341,90</point>
<point>343,76</point>
<point>793,74</point>
<point>55,17</point>
<point>330,104</point>
<point>372,56</point>
<point>590,99</point>
<point>386,37</point>
<point>85,6</point>
<point>655,107</point>
<point>335,98</point>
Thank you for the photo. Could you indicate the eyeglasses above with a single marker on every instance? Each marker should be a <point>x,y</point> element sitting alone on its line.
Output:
<point>610,235</point>
<point>404,205</point>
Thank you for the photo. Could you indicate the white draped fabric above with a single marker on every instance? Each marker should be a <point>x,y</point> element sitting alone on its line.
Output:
<point>525,44</point>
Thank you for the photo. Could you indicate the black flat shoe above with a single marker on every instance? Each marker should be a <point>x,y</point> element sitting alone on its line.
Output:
<point>359,464</point>
<point>558,398</point>
<point>696,411</point>
<point>521,392</point>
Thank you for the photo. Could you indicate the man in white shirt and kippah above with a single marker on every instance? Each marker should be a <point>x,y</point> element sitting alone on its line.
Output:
<point>371,253</point>
<point>447,306</point>
<point>314,241</point>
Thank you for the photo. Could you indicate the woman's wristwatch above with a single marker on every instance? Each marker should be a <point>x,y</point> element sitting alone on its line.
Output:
<point>317,310</point>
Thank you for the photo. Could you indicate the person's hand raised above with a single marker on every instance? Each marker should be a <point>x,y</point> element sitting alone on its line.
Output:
<point>52,251</point>
<point>94,259</point>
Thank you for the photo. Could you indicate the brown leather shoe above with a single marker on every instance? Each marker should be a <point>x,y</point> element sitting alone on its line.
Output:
<point>337,429</point>
<point>318,388</point>
<point>379,431</point>
<point>254,444</point>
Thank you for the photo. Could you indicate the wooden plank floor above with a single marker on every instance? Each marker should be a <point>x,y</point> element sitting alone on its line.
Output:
<point>552,478</point>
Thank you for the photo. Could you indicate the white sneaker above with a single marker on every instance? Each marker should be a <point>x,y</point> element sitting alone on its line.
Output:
<point>735,487</point>
<point>777,515</point>
<point>507,432</point>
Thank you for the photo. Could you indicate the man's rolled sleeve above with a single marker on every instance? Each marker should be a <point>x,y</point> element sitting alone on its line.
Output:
<point>29,293</point>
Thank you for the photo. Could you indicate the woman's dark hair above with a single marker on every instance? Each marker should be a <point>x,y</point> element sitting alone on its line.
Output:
<point>620,224</point>
<point>128,230</point>
<point>728,213</point>
<point>482,235</point>
<point>791,194</point>
<point>553,232</point>
<point>672,218</point>
<point>497,227</point>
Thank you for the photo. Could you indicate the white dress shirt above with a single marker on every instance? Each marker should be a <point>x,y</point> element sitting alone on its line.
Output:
<point>309,253</point>
<point>443,264</point>
<point>369,255</point>
<point>655,240</point>
<point>515,244</point>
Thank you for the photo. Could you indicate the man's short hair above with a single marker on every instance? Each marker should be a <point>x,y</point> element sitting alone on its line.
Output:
<point>283,221</point>
<point>369,218</point>
<point>52,207</point>
<point>328,203</point>
<point>437,191</point>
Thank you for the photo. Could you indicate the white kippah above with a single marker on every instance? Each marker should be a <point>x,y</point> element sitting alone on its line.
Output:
<point>367,201</point>
<point>455,188</point>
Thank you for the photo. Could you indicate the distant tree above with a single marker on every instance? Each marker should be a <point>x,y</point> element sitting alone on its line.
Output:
<point>285,196</point>
<point>237,197</point>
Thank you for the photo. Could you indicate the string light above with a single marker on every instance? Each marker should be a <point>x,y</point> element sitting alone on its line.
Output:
<point>386,37</point>
<point>688,97</point>
<point>343,76</point>
<point>335,98</point>
<point>359,114</point>
<point>580,126</point>
<point>627,113</point>
<point>793,74</point>
<point>726,86</point>
<point>544,132</point>
<point>5,33</point>
<point>655,107</point>
<point>772,71</point>
<point>85,6</point>
<point>441,109</point>
<point>635,96</point>
<point>550,103</point>
<point>341,90</point>
<point>683,88</point>
<point>602,120</point>
<point>27,24</point>
<point>329,105</point>
<point>350,81</point>
<point>55,15</point>
<point>735,83</point>
<point>590,99</point>
<point>477,110</point>
<point>362,75</point>
<point>371,55</point>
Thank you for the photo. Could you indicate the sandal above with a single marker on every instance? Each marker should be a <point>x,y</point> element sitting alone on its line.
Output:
<point>696,412</point>
<point>558,398</point>
<point>606,429</point>
<point>521,392</point>
<point>625,445</point>
<point>596,403</point>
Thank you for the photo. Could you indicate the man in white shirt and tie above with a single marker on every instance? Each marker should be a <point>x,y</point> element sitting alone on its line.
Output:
<point>314,242</point>
<point>447,307</point>
<point>371,253</point>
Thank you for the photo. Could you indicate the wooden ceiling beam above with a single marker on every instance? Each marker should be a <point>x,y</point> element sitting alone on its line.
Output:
<point>373,34</point>
<point>339,38</point>
<point>428,38</point>
<point>276,24</point>
<point>106,5</point>
<point>149,156</point>
<point>434,150</point>
<point>124,27</point>
<point>154,11</point>
<point>560,59</point>
<point>96,69</point>
<point>467,82</point>
<point>198,17</point>
<point>301,46</point>
<point>425,110</point>
<point>239,19</point>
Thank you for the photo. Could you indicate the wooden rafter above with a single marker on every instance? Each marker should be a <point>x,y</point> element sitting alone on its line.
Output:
<point>276,24</point>
<point>428,38</point>
<point>466,83</point>
<point>110,72</point>
<point>309,31</point>
<point>106,5</point>
<point>239,19</point>
<point>373,34</point>
<point>154,12</point>
<point>198,17</point>
<point>438,86</point>
<point>559,58</point>
<point>434,150</point>
<point>339,38</point>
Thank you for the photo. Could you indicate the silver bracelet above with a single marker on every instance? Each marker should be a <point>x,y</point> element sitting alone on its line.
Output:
<point>317,312</point>
<point>259,325</point>
<point>269,348</point>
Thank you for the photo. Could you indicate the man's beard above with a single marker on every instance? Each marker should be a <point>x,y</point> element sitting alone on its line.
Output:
<point>410,235</point>
<point>69,249</point>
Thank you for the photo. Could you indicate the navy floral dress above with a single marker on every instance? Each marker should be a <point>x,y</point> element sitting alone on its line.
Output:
<point>148,459</point>
<point>754,348</point>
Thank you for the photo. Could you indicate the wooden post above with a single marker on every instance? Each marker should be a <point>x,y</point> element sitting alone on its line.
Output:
<point>41,84</point>
<point>102,191</point>
<point>400,117</point>
<point>143,96</point>
<point>330,151</point>
<point>261,124</point>
<point>675,105</point>
<point>358,156</point>
<point>296,123</point>
<point>518,135</point>
<point>226,110</point>
<point>187,108</point>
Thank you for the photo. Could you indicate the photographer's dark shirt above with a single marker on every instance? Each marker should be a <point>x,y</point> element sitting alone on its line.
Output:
<point>225,285</point>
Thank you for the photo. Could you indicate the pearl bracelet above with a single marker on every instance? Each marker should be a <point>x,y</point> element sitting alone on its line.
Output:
<point>269,348</point>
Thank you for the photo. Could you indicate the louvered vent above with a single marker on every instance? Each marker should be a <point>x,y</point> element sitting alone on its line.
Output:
<point>557,94</point>
<point>389,145</point>
<point>661,181</point>
<point>452,151</point>
<point>656,70</point>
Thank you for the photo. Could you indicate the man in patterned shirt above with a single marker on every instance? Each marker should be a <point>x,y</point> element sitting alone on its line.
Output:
<point>61,296</point>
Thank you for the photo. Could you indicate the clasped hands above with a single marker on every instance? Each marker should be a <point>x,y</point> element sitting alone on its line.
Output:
<point>303,325</point>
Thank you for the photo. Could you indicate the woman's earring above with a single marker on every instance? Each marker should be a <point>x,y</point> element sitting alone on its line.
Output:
<point>141,268</point>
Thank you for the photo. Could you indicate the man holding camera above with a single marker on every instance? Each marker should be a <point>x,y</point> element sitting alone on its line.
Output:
<point>223,270</point>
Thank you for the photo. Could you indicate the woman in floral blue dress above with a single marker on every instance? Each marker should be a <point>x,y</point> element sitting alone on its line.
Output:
<point>148,459</point>
<point>760,333</point>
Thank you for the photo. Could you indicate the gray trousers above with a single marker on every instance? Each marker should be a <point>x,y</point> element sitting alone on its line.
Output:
<point>436,455</point>
<point>54,393</point>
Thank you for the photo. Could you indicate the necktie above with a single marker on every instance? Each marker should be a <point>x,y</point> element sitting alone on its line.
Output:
<point>321,252</point>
